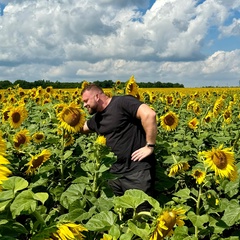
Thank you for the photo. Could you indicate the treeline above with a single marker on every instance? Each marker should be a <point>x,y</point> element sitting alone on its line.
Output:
<point>4,84</point>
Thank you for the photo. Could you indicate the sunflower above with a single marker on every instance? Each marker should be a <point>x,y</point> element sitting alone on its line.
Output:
<point>38,137</point>
<point>208,117</point>
<point>72,118</point>
<point>3,145</point>
<point>101,140</point>
<point>4,171</point>
<point>69,139</point>
<point>21,138</point>
<point>5,112</point>
<point>196,108</point>
<point>199,175</point>
<point>218,105</point>
<point>59,107</point>
<point>193,123</point>
<point>166,221</point>
<point>46,101</point>
<point>221,161</point>
<point>68,231</point>
<point>17,115</point>
<point>227,116</point>
<point>178,168</point>
<point>84,84</point>
<point>131,87</point>
<point>106,237</point>
<point>178,102</point>
<point>169,99</point>
<point>37,161</point>
<point>49,89</point>
<point>169,121</point>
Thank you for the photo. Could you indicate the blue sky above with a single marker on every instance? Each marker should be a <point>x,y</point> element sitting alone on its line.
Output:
<point>192,42</point>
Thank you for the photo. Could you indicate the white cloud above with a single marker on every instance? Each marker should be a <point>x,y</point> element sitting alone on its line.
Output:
<point>71,40</point>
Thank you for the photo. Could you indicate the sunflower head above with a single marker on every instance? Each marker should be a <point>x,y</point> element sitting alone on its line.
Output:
<point>69,231</point>
<point>221,161</point>
<point>72,118</point>
<point>17,115</point>
<point>38,137</point>
<point>199,175</point>
<point>193,124</point>
<point>3,145</point>
<point>101,140</point>
<point>4,171</point>
<point>131,87</point>
<point>21,138</point>
<point>169,121</point>
<point>166,222</point>
<point>178,168</point>
<point>37,161</point>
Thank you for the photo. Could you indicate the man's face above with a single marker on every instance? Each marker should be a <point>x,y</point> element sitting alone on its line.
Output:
<point>90,101</point>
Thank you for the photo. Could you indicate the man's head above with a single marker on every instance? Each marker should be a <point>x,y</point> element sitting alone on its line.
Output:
<point>91,96</point>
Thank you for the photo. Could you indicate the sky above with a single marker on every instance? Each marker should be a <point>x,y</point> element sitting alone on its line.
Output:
<point>192,42</point>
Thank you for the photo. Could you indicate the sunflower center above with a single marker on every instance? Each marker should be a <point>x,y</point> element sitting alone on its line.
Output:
<point>169,120</point>
<point>37,161</point>
<point>39,136</point>
<point>71,116</point>
<point>16,117</point>
<point>220,160</point>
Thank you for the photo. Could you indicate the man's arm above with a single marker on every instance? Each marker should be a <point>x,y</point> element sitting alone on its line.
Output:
<point>85,128</point>
<point>149,123</point>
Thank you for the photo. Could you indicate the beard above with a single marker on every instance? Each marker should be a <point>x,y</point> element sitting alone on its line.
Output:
<point>92,111</point>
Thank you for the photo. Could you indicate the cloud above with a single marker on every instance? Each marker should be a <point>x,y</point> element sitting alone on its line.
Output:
<point>71,40</point>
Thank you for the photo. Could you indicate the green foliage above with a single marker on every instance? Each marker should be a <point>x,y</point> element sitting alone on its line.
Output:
<point>71,187</point>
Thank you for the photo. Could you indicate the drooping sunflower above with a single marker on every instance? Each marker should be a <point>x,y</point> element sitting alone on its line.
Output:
<point>178,168</point>
<point>131,87</point>
<point>38,137</point>
<point>37,161</point>
<point>17,115</point>
<point>72,118</point>
<point>221,161</point>
<point>227,116</point>
<point>169,121</point>
<point>166,222</point>
<point>193,123</point>
<point>208,117</point>
<point>68,231</point>
<point>199,175</point>
<point>5,112</point>
<point>84,84</point>
<point>218,105</point>
<point>178,102</point>
<point>21,138</point>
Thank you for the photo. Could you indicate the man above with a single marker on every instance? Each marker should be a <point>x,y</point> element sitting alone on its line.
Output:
<point>130,129</point>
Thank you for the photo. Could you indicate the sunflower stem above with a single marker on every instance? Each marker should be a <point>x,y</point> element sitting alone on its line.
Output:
<point>198,207</point>
<point>61,159</point>
<point>95,176</point>
<point>39,218</point>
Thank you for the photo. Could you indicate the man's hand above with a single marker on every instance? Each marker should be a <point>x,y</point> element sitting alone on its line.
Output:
<point>141,153</point>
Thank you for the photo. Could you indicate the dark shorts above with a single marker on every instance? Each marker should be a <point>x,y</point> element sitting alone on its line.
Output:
<point>142,180</point>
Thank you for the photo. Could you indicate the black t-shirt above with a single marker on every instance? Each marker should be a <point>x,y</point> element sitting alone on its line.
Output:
<point>123,132</point>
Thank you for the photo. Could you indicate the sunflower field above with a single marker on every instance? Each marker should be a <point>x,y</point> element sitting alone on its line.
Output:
<point>53,179</point>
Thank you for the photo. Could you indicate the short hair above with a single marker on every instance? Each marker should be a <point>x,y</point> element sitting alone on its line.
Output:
<point>92,86</point>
